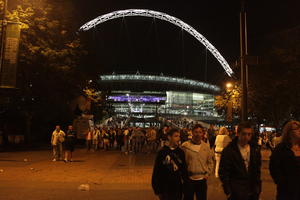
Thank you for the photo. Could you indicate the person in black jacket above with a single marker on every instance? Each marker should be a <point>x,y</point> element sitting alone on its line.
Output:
<point>162,135</point>
<point>240,166</point>
<point>69,144</point>
<point>169,169</point>
<point>285,163</point>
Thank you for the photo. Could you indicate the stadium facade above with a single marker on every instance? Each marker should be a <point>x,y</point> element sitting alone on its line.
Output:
<point>151,96</point>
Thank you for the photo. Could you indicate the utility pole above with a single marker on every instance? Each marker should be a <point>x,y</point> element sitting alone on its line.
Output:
<point>244,67</point>
<point>10,40</point>
<point>3,31</point>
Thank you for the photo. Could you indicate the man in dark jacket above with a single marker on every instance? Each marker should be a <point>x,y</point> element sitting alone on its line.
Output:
<point>169,169</point>
<point>240,166</point>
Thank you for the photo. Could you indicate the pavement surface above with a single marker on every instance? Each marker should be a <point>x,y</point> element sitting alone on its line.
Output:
<point>109,175</point>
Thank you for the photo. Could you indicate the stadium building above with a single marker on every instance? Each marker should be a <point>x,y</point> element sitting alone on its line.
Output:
<point>145,98</point>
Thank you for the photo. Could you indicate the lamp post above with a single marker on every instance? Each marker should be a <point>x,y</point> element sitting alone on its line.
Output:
<point>244,67</point>
<point>3,33</point>
<point>10,39</point>
<point>229,89</point>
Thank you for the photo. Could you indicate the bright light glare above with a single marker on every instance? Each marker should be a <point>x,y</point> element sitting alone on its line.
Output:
<point>229,85</point>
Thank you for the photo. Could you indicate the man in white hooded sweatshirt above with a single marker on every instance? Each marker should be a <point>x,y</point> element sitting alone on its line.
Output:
<point>199,160</point>
<point>56,141</point>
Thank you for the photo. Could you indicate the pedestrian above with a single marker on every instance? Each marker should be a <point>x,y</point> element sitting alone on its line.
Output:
<point>222,140</point>
<point>162,135</point>
<point>136,138</point>
<point>88,139</point>
<point>285,163</point>
<point>184,135</point>
<point>120,139</point>
<point>102,133</point>
<point>151,140</point>
<point>112,137</point>
<point>57,139</point>
<point>205,137</point>
<point>260,141</point>
<point>211,135</point>
<point>276,140</point>
<point>126,134</point>
<point>105,137</point>
<point>240,166</point>
<point>143,141</point>
<point>69,144</point>
<point>96,138</point>
<point>199,160</point>
<point>169,169</point>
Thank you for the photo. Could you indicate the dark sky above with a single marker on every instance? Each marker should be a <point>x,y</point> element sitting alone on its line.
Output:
<point>148,45</point>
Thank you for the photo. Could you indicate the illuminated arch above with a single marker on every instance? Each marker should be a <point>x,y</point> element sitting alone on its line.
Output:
<point>164,17</point>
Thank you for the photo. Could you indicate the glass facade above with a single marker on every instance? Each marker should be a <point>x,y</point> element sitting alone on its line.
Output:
<point>151,104</point>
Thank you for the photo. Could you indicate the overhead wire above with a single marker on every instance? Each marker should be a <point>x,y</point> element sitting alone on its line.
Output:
<point>205,66</point>
<point>183,53</point>
<point>129,41</point>
<point>118,43</point>
<point>158,48</point>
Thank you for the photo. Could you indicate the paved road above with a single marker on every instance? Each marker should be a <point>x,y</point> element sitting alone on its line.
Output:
<point>110,175</point>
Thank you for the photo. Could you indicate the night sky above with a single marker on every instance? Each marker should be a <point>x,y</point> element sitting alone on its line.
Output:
<point>155,46</point>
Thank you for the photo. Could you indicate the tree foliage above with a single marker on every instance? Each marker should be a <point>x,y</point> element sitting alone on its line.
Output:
<point>93,95</point>
<point>232,95</point>
<point>49,60</point>
<point>275,84</point>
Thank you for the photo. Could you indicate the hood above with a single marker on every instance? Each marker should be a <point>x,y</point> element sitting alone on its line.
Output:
<point>190,146</point>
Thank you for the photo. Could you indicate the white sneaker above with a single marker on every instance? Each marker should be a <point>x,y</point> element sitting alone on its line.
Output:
<point>54,160</point>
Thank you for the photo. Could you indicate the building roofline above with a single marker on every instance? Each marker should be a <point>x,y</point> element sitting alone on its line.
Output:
<point>159,79</point>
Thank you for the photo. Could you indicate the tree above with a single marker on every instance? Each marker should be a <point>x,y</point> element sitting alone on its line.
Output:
<point>275,84</point>
<point>49,61</point>
<point>99,107</point>
<point>233,96</point>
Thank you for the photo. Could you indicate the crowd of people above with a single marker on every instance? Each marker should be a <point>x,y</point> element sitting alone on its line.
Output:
<point>186,157</point>
<point>269,140</point>
<point>127,139</point>
<point>181,171</point>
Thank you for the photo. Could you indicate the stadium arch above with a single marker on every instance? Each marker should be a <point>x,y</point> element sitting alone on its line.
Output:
<point>165,17</point>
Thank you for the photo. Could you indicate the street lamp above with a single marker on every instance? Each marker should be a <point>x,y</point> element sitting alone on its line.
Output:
<point>229,90</point>
<point>244,67</point>
<point>229,85</point>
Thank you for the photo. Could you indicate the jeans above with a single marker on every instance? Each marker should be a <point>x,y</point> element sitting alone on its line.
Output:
<point>195,187</point>
<point>218,159</point>
<point>89,144</point>
<point>57,151</point>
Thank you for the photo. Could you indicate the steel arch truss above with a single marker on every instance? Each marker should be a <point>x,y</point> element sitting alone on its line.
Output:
<point>164,17</point>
